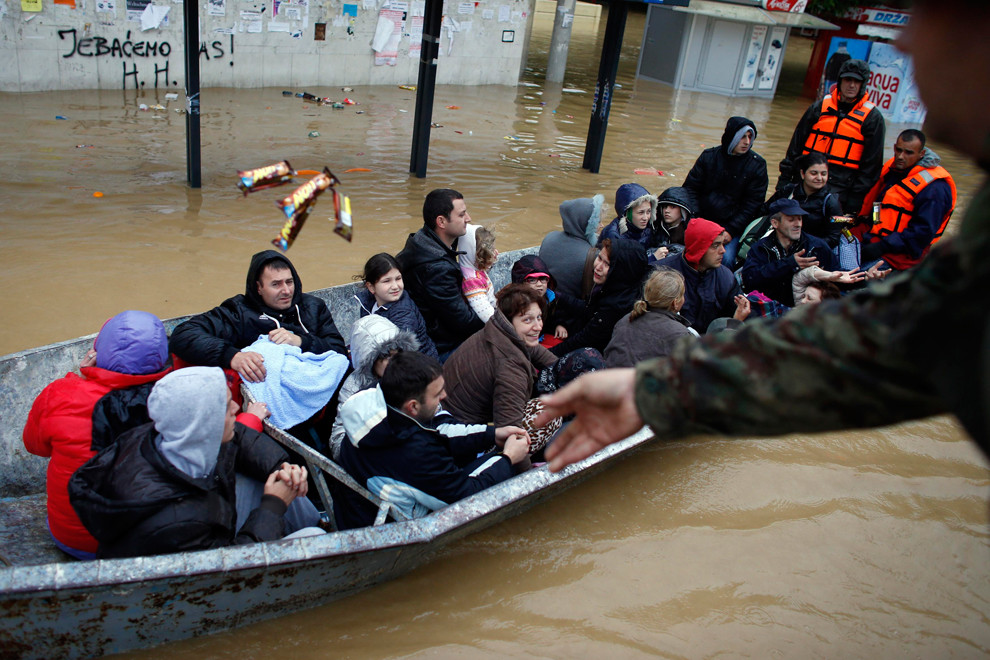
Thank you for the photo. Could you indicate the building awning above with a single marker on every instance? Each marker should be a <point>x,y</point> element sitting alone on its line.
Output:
<point>755,15</point>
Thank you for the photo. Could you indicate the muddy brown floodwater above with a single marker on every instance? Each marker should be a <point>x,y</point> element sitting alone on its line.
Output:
<point>861,544</point>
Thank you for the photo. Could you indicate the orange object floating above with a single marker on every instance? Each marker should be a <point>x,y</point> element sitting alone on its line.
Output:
<point>308,172</point>
<point>357,169</point>
<point>453,107</point>
<point>97,194</point>
<point>649,171</point>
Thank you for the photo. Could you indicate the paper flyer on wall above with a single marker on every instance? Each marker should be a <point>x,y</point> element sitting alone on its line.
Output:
<point>135,8</point>
<point>387,35</point>
<point>217,7</point>
<point>415,36</point>
<point>30,5</point>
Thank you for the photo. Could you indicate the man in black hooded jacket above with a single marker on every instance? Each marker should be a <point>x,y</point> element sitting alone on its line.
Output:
<point>431,273</point>
<point>273,304</point>
<point>729,182</point>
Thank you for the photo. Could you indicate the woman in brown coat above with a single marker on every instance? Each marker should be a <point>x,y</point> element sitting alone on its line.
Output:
<point>490,377</point>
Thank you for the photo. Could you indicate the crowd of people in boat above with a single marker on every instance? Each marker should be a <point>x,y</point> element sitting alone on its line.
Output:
<point>434,396</point>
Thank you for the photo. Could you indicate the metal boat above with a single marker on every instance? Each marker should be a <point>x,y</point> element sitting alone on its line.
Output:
<point>54,606</point>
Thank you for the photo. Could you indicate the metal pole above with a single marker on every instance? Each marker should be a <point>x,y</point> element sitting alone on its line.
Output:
<point>425,87</point>
<point>190,15</point>
<point>560,39</point>
<point>609,66</point>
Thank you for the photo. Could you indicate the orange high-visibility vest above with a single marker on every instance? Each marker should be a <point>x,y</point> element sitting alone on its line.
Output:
<point>839,138</point>
<point>897,207</point>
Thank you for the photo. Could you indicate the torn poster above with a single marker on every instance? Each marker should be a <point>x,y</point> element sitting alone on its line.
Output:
<point>217,7</point>
<point>387,35</point>
<point>153,16</point>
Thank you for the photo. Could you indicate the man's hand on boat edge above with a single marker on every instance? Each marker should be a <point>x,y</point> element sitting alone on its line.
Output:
<point>605,409</point>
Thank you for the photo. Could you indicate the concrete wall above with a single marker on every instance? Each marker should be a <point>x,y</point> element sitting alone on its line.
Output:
<point>98,44</point>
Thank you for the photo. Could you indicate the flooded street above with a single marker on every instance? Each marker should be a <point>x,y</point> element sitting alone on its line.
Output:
<point>862,544</point>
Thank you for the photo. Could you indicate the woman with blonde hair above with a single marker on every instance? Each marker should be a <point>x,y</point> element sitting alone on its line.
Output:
<point>654,325</point>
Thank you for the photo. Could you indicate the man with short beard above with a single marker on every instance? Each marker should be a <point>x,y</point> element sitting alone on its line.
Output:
<point>273,304</point>
<point>400,442</point>
<point>710,289</point>
<point>909,207</point>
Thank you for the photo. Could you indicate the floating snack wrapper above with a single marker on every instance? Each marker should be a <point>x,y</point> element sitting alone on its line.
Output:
<point>343,224</point>
<point>289,231</point>
<point>304,196</point>
<point>297,206</point>
<point>265,177</point>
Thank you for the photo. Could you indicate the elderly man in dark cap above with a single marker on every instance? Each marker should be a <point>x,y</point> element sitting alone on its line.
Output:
<point>773,260</point>
<point>849,130</point>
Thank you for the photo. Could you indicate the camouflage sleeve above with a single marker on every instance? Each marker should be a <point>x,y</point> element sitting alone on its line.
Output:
<point>862,361</point>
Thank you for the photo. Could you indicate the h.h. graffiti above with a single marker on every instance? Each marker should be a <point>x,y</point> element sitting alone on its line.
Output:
<point>129,51</point>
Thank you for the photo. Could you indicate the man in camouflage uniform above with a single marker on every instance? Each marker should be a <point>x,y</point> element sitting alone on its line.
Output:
<point>915,345</point>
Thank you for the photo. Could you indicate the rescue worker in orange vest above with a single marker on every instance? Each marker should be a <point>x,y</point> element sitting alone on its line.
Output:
<point>907,210</point>
<point>849,130</point>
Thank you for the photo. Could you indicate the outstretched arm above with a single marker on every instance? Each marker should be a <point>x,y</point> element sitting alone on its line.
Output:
<point>606,412</point>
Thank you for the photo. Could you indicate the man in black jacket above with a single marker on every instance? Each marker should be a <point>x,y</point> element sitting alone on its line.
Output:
<point>273,304</point>
<point>431,273</point>
<point>775,259</point>
<point>402,446</point>
<point>729,182</point>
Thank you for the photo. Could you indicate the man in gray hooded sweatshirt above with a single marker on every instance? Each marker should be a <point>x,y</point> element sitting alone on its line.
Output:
<point>169,486</point>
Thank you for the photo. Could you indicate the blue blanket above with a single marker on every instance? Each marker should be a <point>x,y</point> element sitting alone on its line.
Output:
<point>297,385</point>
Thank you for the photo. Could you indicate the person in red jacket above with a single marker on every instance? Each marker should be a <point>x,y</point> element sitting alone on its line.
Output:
<point>131,350</point>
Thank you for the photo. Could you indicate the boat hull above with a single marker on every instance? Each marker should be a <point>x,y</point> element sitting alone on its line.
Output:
<point>84,609</point>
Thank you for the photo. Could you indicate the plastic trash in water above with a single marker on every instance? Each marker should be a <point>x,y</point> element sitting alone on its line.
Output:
<point>347,89</point>
<point>348,101</point>
<point>143,107</point>
<point>453,107</point>
<point>60,117</point>
<point>313,134</point>
<point>411,88</point>
<point>172,96</point>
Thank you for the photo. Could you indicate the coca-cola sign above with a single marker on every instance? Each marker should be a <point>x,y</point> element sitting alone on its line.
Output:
<point>793,6</point>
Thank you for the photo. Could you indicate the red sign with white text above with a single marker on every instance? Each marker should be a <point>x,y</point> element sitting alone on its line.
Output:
<point>792,6</point>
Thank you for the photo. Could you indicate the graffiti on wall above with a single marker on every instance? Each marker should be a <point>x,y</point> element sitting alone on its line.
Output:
<point>152,56</point>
